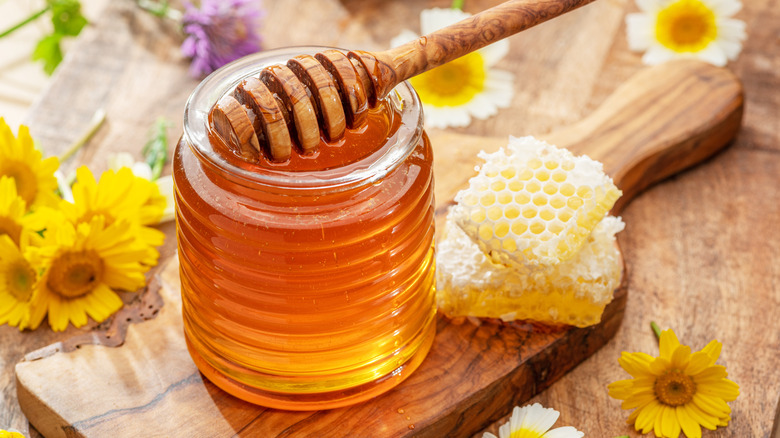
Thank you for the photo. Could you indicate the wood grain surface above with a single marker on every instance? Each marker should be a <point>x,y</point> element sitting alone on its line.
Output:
<point>701,248</point>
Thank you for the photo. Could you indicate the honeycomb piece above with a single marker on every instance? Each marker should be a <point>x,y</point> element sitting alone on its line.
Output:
<point>573,292</point>
<point>532,204</point>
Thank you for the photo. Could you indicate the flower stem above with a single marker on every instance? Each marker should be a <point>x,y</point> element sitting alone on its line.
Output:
<point>656,329</point>
<point>94,124</point>
<point>457,4</point>
<point>160,9</point>
<point>32,17</point>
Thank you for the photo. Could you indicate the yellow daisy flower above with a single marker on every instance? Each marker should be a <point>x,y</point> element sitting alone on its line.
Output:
<point>119,195</point>
<point>85,263</point>
<point>677,391</point>
<point>699,29</point>
<point>534,421</point>
<point>13,219</point>
<point>10,434</point>
<point>467,87</point>
<point>12,209</point>
<point>34,176</point>
<point>18,279</point>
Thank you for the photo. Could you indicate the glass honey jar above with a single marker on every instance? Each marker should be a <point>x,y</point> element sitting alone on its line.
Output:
<point>307,284</point>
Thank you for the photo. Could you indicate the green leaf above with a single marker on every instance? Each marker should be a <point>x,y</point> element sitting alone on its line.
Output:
<point>156,149</point>
<point>48,50</point>
<point>66,16</point>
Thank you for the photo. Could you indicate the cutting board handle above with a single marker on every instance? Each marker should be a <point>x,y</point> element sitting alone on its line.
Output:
<point>659,122</point>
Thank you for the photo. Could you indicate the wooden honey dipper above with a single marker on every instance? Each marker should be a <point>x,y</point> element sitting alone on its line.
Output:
<point>287,104</point>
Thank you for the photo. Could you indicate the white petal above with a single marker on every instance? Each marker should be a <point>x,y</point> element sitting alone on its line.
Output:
<point>724,8</point>
<point>165,185</point>
<point>730,48</point>
<point>640,31</point>
<point>540,419</point>
<point>436,18</point>
<point>119,160</point>
<point>438,117</point>
<point>731,29</point>
<point>651,6</point>
<point>713,54</point>
<point>494,52</point>
<point>658,54</point>
<point>142,169</point>
<point>564,432</point>
<point>404,37</point>
<point>505,431</point>
<point>488,435</point>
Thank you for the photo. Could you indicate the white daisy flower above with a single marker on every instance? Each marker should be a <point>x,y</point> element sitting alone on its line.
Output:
<point>534,421</point>
<point>467,87</point>
<point>699,29</point>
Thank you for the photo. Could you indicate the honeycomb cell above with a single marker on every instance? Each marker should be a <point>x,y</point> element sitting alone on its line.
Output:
<point>557,202</point>
<point>542,195</point>
<point>495,213</point>
<point>498,185</point>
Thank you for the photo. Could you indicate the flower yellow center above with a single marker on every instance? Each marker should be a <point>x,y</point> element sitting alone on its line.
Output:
<point>87,218</point>
<point>452,84</point>
<point>20,278</point>
<point>74,274</point>
<point>686,26</point>
<point>526,433</point>
<point>11,228</point>
<point>674,388</point>
<point>26,183</point>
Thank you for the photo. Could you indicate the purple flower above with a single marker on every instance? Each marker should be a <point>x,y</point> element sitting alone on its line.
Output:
<point>219,32</point>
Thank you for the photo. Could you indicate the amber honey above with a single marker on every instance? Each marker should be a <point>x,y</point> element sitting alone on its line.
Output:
<point>307,284</point>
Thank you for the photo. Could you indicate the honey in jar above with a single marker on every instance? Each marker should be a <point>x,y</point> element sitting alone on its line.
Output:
<point>309,283</point>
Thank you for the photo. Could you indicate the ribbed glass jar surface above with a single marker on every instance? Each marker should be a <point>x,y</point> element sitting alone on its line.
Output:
<point>305,289</point>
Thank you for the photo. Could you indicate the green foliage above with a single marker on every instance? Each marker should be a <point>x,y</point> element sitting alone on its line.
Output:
<point>49,52</point>
<point>156,149</point>
<point>66,17</point>
<point>67,20</point>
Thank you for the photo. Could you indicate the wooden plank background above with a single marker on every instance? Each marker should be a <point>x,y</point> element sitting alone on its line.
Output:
<point>702,249</point>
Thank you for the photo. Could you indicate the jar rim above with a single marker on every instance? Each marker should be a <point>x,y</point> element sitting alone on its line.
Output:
<point>367,170</point>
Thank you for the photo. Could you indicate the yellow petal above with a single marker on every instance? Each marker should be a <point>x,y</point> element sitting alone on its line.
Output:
<point>711,405</point>
<point>670,425</point>
<point>690,428</point>
<point>647,416</point>
<point>681,356</point>
<point>659,366</point>
<point>713,350</point>
<point>621,389</point>
<point>668,343</point>
<point>723,389</point>
<point>638,399</point>
<point>712,373</point>
<point>700,417</point>
<point>698,363</point>
<point>636,364</point>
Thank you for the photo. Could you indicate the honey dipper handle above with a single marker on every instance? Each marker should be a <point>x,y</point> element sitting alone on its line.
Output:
<point>391,67</point>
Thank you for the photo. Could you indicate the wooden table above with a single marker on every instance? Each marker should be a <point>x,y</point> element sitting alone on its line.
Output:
<point>701,248</point>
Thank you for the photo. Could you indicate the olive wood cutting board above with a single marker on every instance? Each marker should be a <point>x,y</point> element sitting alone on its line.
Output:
<point>660,122</point>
